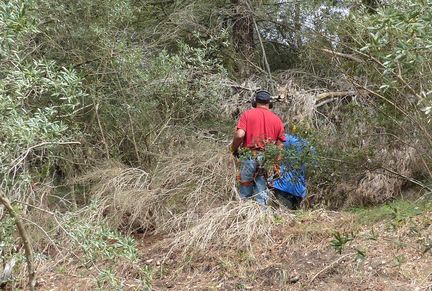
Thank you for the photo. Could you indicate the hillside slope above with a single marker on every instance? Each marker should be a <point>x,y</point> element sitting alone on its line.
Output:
<point>382,248</point>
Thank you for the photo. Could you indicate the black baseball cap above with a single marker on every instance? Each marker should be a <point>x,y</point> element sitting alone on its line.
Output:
<point>262,96</point>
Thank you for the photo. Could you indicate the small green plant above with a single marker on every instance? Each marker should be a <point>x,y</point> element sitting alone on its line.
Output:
<point>400,260</point>
<point>108,278</point>
<point>372,235</point>
<point>147,277</point>
<point>100,242</point>
<point>239,286</point>
<point>399,244</point>
<point>245,154</point>
<point>278,219</point>
<point>360,255</point>
<point>7,229</point>
<point>340,240</point>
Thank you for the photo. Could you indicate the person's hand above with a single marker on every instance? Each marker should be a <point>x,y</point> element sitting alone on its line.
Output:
<point>234,151</point>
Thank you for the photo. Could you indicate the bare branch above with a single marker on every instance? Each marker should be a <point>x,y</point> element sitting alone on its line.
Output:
<point>347,56</point>
<point>23,156</point>
<point>26,242</point>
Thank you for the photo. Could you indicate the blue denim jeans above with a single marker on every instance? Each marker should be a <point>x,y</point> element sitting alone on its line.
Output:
<point>259,188</point>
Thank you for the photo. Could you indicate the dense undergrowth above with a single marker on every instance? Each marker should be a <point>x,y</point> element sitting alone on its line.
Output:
<point>115,122</point>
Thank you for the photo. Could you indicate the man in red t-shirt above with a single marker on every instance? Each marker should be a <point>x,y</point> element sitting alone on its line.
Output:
<point>256,128</point>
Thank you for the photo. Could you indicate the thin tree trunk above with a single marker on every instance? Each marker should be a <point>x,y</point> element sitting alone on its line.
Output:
<point>297,25</point>
<point>23,234</point>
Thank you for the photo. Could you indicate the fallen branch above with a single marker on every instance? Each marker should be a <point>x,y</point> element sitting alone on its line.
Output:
<point>23,234</point>
<point>327,95</point>
<point>414,181</point>
<point>326,101</point>
<point>330,266</point>
<point>346,56</point>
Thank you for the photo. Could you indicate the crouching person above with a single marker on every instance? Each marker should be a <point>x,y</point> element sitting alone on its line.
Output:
<point>291,188</point>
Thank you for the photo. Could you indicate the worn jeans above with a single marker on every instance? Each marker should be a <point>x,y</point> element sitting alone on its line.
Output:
<point>259,188</point>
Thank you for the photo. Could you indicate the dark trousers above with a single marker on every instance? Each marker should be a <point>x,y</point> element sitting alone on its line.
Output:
<point>287,200</point>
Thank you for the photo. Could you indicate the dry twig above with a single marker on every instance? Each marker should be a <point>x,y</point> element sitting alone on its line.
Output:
<point>330,266</point>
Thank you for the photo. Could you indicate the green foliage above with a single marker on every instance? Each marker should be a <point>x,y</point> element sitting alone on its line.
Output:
<point>37,97</point>
<point>360,255</point>
<point>400,36</point>
<point>97,241</point>
<point>291,158</point>
<point>340,240</point>
<point>7,231</point>
<point>33,96</point>
<point>186,85</point>
<point>400,260</point>
<point>396,39</point>
<point>108,278</point>
<point>147,277</point>
<point>13,23</point>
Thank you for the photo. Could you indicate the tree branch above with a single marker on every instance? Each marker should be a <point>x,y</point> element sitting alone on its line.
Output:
<point>18,160</point>
<point>346,56</point>
<point>26,242</point>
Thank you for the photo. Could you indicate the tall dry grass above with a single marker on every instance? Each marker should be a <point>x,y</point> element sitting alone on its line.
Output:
<point>233,225</point>
<point>191,197</point>
<point>386,182</point>
<point>170,197</point>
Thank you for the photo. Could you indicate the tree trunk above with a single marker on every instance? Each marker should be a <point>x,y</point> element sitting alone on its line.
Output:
<point>297,25</point>
<point>31,273</point>
<point>243,36</point>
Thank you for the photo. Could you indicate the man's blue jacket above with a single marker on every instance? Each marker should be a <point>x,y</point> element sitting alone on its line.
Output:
<point>293,171</point>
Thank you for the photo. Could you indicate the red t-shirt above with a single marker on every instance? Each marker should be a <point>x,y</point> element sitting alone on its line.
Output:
<point>262,127</point>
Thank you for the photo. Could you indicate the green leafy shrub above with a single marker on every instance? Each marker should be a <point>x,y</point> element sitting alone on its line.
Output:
<point>37,97</point>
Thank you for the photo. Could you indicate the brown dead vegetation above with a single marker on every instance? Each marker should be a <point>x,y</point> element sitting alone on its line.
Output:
<point>180,189</point>
<point>380,185</point>
<point>186,212</point>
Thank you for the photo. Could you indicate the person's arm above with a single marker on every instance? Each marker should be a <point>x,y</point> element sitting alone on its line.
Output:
<point>239,135</point>
<point>281,136</point>
<point>237,140</point>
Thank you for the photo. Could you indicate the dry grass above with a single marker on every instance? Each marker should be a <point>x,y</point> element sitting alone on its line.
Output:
<point>299,105</point>
<point>381,185</point>
<point>171,197</point>
<point>234,225</point>
<point>299,255</point>
<point>190,196</point>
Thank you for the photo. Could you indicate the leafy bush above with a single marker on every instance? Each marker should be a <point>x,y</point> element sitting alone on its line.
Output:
<point>36,96</point>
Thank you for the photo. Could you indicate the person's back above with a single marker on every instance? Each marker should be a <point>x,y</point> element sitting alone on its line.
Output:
<point>261,126</point>
<point>291,187</point>
<point>255,129</point>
